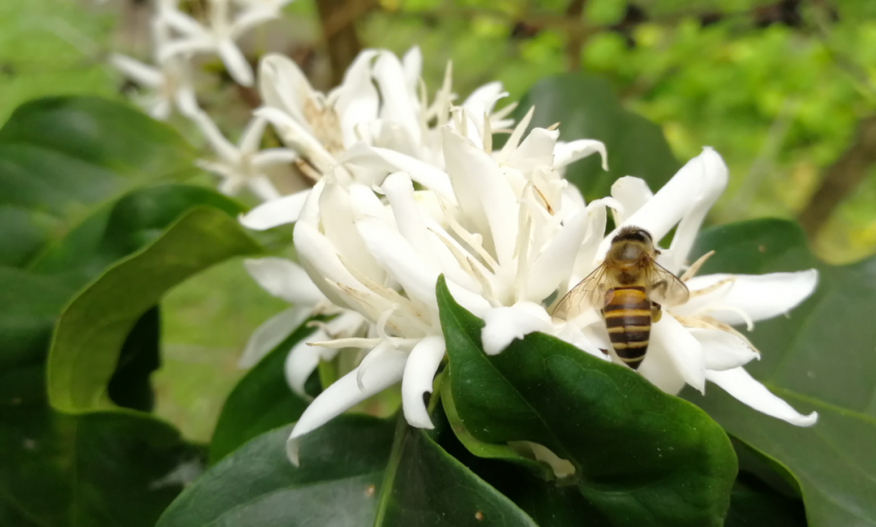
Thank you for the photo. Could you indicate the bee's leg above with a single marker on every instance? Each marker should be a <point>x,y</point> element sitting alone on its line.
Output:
<point>656,312</point>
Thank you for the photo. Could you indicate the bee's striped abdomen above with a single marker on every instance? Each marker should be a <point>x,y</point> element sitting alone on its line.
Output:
<point>628,319</point>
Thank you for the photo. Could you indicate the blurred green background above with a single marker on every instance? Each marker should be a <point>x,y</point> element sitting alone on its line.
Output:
<point>784,90</point>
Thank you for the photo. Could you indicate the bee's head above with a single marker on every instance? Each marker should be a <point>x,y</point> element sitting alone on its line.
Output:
<point>632,243</point>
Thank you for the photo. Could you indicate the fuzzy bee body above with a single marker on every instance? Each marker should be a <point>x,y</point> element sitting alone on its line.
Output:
<point>628,289</point>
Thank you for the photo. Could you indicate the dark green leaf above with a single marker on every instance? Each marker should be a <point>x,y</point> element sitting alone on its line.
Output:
<point>355,471</point>
<point>261,401</point>
<point>819,358</point>
<point>103,469</point>
<point>641,457</point>
<point>130,385</point>
<point>62,159</point>
<point>89,336</point>
<point>587,108</point>
<point>753,504</point>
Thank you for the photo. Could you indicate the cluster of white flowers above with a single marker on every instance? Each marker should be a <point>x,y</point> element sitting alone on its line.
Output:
<point>405,190</point>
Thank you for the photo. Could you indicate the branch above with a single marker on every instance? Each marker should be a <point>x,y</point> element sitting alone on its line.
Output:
<point>339,32</point>
<point>841,178</point>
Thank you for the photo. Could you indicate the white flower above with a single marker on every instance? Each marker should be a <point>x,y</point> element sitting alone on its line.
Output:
<point>242,165</point>
<point>287,280</point>
<point>166,84</point>
<point>695,342</point>
<point>505,230</point>
<point>220,35</point>
<point>376,121</point>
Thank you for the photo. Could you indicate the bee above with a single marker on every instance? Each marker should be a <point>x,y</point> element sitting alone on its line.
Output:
<point>628,288</point>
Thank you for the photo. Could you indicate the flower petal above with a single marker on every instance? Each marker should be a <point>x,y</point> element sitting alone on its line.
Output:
<point>357,100</point>
<point>276,212</point>
<point>684,351</point>
<point>284,279</point>
<point>659,368</point>
<point>420,370</point>
<point>554,264</point>
<point>137,71</point>
<point>262,188</point>
<point>235,62</point>
<point>383,372</point>
<point>693,184</point>
<point>398,104</point>
<point>747,390</point>
<point>504,324</point>
<point>270,333</point>
<point>714,182</point>
<point>223,147</point>
<point>412,63</point>
<point>303,359</point>
<point>567,153</point>
<point>284,86</point>
<point>251,137</point>
<point>274,156</point>
<point>367,156</point>
<point>632,193</point>
<point>761,297</point>
<point>723,350</point>
<point>481,188</point>
<point>337,212</point>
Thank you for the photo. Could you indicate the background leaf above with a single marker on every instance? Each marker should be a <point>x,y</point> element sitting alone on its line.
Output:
<point>355,470</point>
<point>818,358</point>
<point>88,338</point>
<point>72,196</point>
<point>641,456</point>
<point>587,108</point>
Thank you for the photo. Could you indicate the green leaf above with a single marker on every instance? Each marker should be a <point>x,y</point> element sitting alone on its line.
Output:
<point>128,468</point>
<point>641,456</point>
<point>753,503</point>
<point>587,108</point>
<point>87,340</point>
<point>130,386</point>
<point>261,401</point>
<point>355,470</point>
<point>62,159</point>
<point>482,449</point>
<point>819,358</point>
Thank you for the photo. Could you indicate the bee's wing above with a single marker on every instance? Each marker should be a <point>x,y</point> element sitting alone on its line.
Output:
<point>589,293</point>
<point>664,287</point>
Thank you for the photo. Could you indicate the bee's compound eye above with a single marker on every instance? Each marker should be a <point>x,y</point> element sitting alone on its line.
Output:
<point>644,234</point>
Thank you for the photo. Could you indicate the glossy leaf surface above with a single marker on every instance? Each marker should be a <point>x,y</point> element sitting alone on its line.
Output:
<point>641,456</point>
<point>818,358</point>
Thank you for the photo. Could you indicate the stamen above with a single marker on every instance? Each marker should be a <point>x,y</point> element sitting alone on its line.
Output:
<point>352,342</point>
<point>695,267</point>
<point>516,136</point>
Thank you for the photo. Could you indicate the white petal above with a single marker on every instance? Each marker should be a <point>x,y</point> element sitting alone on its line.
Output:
<point>275,213</point>
<point>303,359</point>
<point>714,182</point>
<point>659,368</point>
<point>761,297</point>
<point>536,149</point>
<point>554,265</point>
<point>567,153</point>
<point>678,197</point>
<point>683,350</point>
<point>337,214</point>
<point>315,250</point>
<point>358,100</point>
<point>480,186</point>
<point>504,324</point>
<point>398,106</point>
<point>412,63</point>
<point>251,18</point>
<point>270,333</point>
<point>137,71</point>
<point>284,86</point>
<point>223,147</point>
<point>400,192</point>
<point>416,275</point>
<point>483,99</point>
<point>284,279</point>
<point>186,101</point>
<point>235,62</point>
<point>738,383</point>
<point>344,394</point>
<point>274,156</point>
<point>181,22</point>
<point>296,136</point>
<point>583,339</point>
<point>420,370</point>
<point>251,137</point>
<point>632,193</point>
<point>723,350</point>
<point>262,188</point>
<point>423,173</point>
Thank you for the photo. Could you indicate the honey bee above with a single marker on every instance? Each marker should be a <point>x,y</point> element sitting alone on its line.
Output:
<point>628,288</point>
